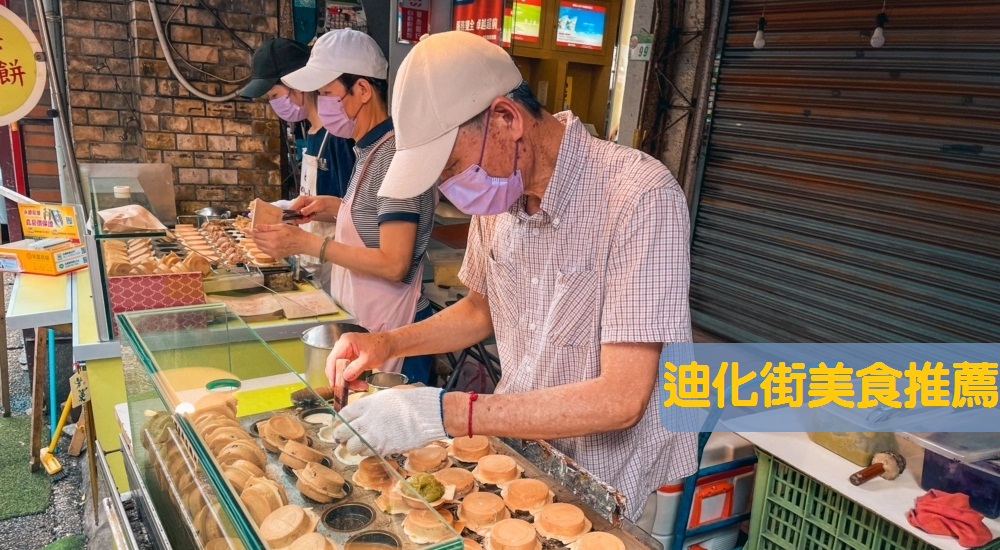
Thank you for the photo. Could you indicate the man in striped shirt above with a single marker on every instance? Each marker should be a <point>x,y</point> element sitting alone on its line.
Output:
<point>577,261</point>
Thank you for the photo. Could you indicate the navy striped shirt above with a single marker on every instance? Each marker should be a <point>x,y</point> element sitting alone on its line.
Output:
<point>370,210</point>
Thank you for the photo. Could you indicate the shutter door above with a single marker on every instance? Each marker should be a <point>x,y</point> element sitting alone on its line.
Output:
<point>852,194</point>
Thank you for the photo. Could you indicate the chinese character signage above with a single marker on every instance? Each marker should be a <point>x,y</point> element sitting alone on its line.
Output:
<point>80,388</point>
<point>43,221</point>
<point>22,68</point>
<point>523,20</point>
<point>414,19</point>
<point>482,17</point>
<point>833,387</point>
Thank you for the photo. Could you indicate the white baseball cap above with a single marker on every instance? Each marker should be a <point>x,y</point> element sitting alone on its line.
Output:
<point>335,53</point>
<point>446,80</point>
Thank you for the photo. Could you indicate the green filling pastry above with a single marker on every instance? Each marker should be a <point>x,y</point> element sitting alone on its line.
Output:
<point>427,487</point>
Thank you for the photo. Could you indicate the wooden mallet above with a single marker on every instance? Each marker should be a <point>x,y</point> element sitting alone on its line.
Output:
<point>887,464</point>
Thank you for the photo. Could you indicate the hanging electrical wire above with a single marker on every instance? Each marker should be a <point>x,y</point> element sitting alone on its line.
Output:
<point>166,33</point>
<point>165,48</point>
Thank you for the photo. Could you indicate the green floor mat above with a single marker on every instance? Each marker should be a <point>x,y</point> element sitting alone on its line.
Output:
<point>21,492</point>
<point>72,542</point>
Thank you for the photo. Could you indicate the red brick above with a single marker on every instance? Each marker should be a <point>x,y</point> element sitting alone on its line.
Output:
<point>79,116</point>
<point>43,168</point>
<point>95,11</point>
<point>45,195</point>
<point>264,161</point>
<point>269,194</point>
<point>158,140</point>
<point>184,192</point>
<point>186,34</point>
<point>222,143</point>
<point>254,178</point>
<point>80,99</point>
<point>189,142</point>
<point>178,124</point>
<point>111,29</point>
<point>209,160</point>
<point>80,63</point>
<point>113,100</point>
<point>98,82</point>
<point>180,159</point>
<point>143,27</point>
<point>96,46</point>
<point>106,151</point>
<point>75,81</point>
<point>35,139</point>
<point>119,67</point>
<point>235,58</point>
<point>154,67</point>
<point>265,25</point>
<point>210,193</point>
<point>223,177</point>
<point>88,133</point>
<point>78,27</point>
<point>256,109</point>
<point>41,154</point>
<point>250,145</point>
<point>149,123</point>
<point>101,117</point>
<point>206,125</point>
<point>151,156</point>
<point>216,37</point>
<point>265,128</point>
<point>194,107</point>
<point>81,149</point>
<point>192,175</point>
<point>156,105</point>
<point>239,160</point>
<point>232,127</point>
<point>130,151</point>
<point>220,110</point>
<point>168,87</point>
<point>146,48</point>
<point>147,86</point>
<point>240,193</point>
<point>202,54</point>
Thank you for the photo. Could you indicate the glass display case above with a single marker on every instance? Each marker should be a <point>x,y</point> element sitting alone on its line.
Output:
<point>235,450</point>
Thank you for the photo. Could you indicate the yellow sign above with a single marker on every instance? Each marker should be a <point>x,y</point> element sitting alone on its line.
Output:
<point>44,221</point>
<point>22,68</point>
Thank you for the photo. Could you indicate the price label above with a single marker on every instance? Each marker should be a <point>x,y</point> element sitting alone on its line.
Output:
<point>79,388</point>
<point>640,47</point>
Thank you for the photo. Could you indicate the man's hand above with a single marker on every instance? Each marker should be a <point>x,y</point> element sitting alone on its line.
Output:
<point>364,351</point>
<point>392,421</point>
<point>282,241</point>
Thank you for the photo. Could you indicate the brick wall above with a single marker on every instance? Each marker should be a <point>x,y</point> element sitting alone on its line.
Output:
<point>128,107</point>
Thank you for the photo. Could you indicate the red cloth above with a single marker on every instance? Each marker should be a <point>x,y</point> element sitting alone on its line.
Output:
<point>941,513</point>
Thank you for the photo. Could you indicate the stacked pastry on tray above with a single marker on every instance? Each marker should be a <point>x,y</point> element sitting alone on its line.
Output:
<point>136,257</point>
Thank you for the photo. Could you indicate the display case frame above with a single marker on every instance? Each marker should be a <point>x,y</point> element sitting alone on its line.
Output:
<point>174,357</point>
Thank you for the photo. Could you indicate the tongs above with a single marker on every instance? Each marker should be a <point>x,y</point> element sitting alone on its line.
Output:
<point>288,215</point>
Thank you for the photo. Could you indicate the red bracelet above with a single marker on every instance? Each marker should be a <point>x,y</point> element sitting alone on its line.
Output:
<point>472,398</point>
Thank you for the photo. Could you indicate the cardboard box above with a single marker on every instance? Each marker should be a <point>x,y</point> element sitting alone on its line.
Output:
<point>44,257</point>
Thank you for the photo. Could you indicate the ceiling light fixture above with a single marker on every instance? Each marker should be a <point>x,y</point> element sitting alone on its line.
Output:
<point>878,37</point>
<point>758,39</point>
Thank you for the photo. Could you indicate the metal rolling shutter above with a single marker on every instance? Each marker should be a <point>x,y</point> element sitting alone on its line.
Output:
<point>852,194</point>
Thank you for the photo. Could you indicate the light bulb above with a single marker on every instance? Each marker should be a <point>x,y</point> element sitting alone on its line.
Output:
<point>878,38</point>
<point>758,40</point>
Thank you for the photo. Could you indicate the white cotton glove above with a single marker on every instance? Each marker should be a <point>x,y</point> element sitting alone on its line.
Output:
<point>392,421</point>
<point>282,204</point>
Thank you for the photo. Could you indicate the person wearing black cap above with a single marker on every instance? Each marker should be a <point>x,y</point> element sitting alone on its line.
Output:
<point>327,160</point>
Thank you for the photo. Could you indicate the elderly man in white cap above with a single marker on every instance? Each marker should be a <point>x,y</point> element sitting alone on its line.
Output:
<point>577,261</point>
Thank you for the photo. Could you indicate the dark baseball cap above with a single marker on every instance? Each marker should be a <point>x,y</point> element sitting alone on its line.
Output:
<point>273,60</point>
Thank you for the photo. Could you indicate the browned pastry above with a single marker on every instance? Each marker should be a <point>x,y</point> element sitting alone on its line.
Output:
<point>469,544</point>
<point>373,474</point>
<point>313,541</point>
<point>599,540</point>
<point>528,495</point>
<point>428,459</point>
<point>513,534</point>
<point>496,470</point>
<point>243,450</point>
<point>562,521</point>
<point>481,510</point>
<point>423,526</point>
<point>282,526</point>
<point>296,455</point>
<point>224,436</point>
<point>461,479</point>
<point>470,449</point>
<point>320,483</point>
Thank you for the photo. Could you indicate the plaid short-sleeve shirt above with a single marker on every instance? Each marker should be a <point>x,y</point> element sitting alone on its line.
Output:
<point>605,260</point>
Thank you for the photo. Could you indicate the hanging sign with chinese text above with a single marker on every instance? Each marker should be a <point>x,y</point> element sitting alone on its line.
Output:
<point>22,68</point>
<point>414,19</point>
<point>46,221</point>
<point>482,17</point>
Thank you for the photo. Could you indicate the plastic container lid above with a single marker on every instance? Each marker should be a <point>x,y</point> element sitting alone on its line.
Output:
<point>961,446</point>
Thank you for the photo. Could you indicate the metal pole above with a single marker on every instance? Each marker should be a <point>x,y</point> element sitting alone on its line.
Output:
<point>59,105</point>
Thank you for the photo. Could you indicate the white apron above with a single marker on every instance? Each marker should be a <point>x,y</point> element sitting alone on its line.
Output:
<point>378,304</point>
<point>307,187</point>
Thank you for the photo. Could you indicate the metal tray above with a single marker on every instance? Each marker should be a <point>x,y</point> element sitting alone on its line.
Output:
<point>392,524</point>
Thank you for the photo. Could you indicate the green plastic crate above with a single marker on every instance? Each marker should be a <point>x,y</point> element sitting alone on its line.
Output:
<point>792,511</point>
